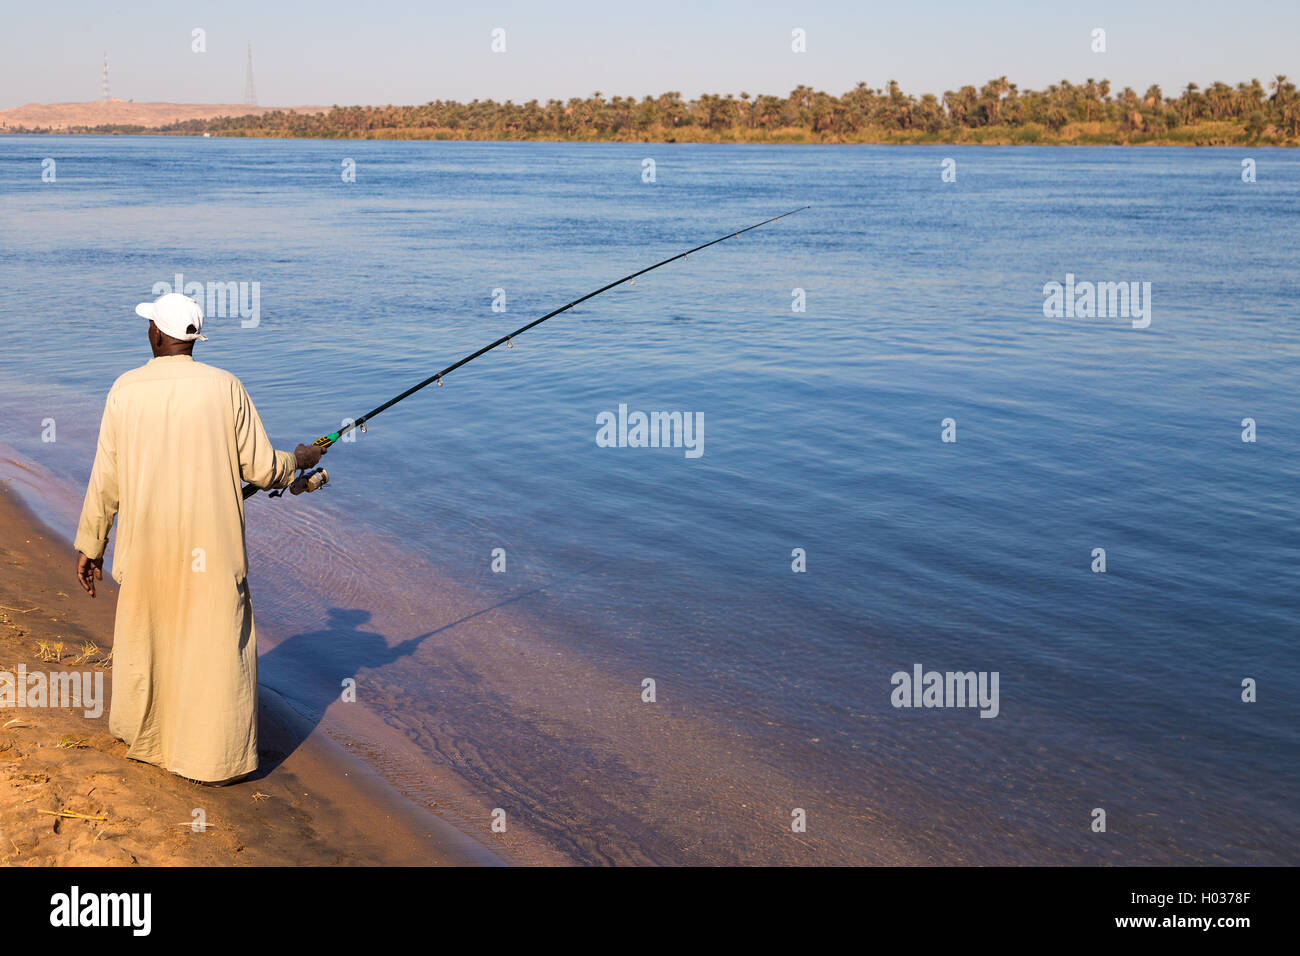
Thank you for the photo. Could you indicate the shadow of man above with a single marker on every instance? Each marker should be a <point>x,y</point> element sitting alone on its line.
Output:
<point>303,674</point>
<point>306,673</point>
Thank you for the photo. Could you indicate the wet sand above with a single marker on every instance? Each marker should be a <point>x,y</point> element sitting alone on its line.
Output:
<point>477,695</point>
<point>311,803</point>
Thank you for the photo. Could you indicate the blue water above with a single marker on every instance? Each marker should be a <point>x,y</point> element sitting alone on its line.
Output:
<point>823,429</point>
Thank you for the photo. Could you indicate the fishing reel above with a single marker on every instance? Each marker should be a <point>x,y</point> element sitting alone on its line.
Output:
<point>305,483</point>
<point>309,481</point>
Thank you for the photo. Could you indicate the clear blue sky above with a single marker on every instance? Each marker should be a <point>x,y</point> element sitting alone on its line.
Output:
<point>409,51</point>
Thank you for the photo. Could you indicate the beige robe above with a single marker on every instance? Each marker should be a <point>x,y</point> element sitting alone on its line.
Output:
<point>177,439</point>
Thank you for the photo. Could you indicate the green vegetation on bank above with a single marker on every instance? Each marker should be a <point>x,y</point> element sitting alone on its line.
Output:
<point>996,113</point>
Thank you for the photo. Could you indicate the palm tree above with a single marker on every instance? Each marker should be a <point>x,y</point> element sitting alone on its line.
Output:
<point>1248,98</point>
<point>1285,102</point>
<point>1191,103</point>
<point>991,99</point>
<point>960,104</point>
<point>1088,94</point>
<point>1219,99</point>
<point>930,111</point>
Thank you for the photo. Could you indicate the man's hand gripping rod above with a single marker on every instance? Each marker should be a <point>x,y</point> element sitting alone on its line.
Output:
<point>307,481</point>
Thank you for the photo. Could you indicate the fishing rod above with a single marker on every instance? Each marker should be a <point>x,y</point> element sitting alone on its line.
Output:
<point>317,478</point>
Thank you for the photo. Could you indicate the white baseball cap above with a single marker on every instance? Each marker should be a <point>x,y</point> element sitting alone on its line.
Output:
<point>175,315</point>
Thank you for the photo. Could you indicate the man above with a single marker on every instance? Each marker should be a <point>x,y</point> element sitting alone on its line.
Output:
<point>176,441</point>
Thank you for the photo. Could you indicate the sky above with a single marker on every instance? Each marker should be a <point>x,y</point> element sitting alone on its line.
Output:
<point>413,51</point>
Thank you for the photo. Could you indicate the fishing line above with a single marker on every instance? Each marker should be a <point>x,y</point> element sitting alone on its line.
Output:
<point>317,478</point>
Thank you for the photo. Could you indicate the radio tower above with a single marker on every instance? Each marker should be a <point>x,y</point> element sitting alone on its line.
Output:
<point>250,91</point>
<point>106,96</point>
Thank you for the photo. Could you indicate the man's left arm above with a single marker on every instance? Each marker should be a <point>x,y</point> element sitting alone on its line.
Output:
<point>100,507</point>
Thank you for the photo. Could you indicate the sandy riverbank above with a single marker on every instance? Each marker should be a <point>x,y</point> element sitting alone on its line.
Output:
<point>61,116</point>
<point>310,804</point>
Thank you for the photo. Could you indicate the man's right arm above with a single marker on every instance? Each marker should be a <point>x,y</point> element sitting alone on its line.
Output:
<point>260,463</point>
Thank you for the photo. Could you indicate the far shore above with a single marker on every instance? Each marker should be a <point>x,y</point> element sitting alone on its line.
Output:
<point>1075,134</point>
<point>997,115</point>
